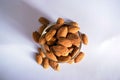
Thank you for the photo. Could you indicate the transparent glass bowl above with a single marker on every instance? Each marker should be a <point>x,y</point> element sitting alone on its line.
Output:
<point>44,31</point>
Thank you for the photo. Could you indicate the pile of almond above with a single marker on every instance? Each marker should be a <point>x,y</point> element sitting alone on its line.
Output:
<point>60,43</point>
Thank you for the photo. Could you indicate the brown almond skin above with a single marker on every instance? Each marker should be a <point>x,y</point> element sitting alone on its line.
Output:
<point>41,53</point>
<point>62,32</point>
<point>51,56</point>
<point>54,65</point>
<point>84,39</point>
<point>65,42</point>
<point>60,50</point>
<point>74,24</point>
<point>36,36</point>
<point>42,40</point>
<point>45,63</point>
<point>79,57</point>
<point>60,21</point>
<point>72,36</point>
<point>75,39</point>
<point>44,21</point>
<point>49,35</point>
<point>39,59</point>
<point>73,29</point>
<point>74,52</point>
<point>64,58</point>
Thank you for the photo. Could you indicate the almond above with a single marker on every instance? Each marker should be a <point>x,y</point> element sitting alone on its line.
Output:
<point>75,39</point>
<point>54,65</point>
<point>60,21</point>
<point>36,36</point>
<point>45,63</point>
<point>49,35</point>
<point>39,59</point>
<point>65,42</point>
<point>64,58</point>
<point>79,57</point>
<point>60,50</point>
<point>51,56</point>
<point>44,21</point>
<point>62,32</point>
<point>73,29</point>
<point>84,39</point>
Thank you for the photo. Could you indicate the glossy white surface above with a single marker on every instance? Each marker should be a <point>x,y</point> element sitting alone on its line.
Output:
<point>99,19</point>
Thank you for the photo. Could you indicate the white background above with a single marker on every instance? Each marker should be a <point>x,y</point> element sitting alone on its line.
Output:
<point>99,19</point>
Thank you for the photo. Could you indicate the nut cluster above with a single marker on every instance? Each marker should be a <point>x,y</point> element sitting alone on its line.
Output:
<point>60,44</point>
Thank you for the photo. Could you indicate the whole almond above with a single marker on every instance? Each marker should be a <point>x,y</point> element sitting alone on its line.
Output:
<point>73,29</point>
<point>64,58</point>
<point>75,39</point>
<point>39,59</point>
<point>44,21</point>
<point>60,50</point>
<point>62,32</point>
<point>84,39</point>
<point>60,21</point>
<point>45,63</point>
<point>51,56</point>
<point>79,57</point>
<point>36,36</point>
<point>49,35</point>
<point>54,65</point>
<point>65,42</point>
